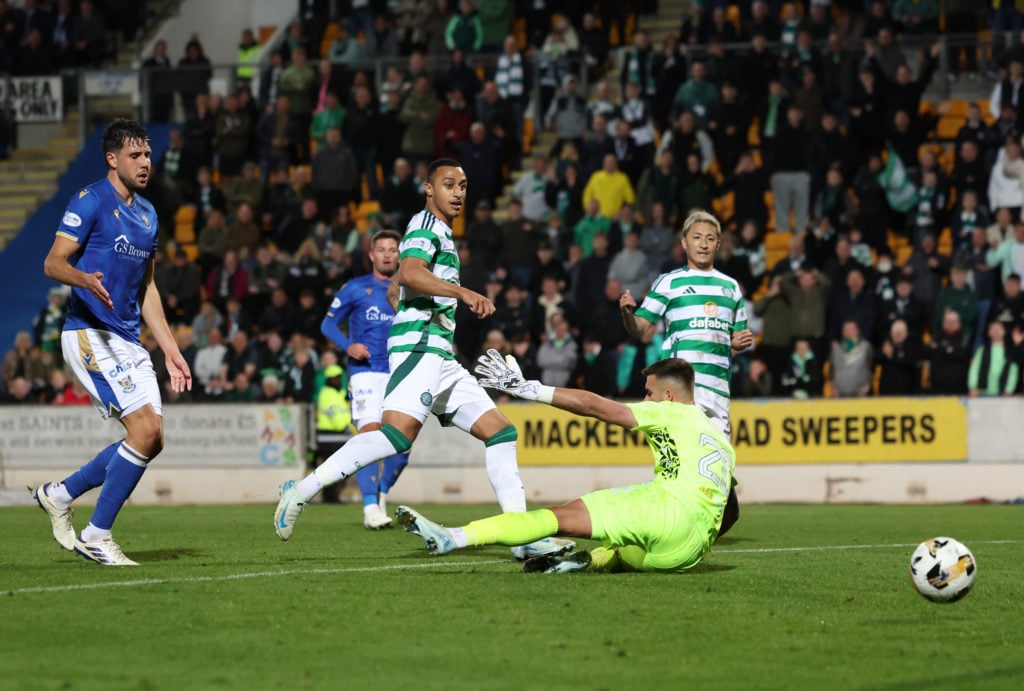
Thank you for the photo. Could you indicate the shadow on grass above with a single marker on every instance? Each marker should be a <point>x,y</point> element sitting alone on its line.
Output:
<point>729,540</point>
<point>711,567</point>
<point>164,554</point>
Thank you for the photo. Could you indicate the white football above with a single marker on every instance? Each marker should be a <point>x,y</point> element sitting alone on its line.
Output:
<point>943,569</point>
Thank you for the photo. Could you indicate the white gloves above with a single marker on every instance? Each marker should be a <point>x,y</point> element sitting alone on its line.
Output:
<point>503,374</point>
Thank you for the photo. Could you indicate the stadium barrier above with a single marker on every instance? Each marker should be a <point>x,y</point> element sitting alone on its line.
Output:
<point>874,450</point>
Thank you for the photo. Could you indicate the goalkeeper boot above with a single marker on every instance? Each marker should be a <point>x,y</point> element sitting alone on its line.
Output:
<point>577,561</point>
<point>60,519</point>
<point>437,537</point>
<point>546,547</point>
<point>288,510</point>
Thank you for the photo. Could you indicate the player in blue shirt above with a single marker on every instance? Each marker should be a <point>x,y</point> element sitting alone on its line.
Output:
<point>362,302</point>
<point>104,250</point>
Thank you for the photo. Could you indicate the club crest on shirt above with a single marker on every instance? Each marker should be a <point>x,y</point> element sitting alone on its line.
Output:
<point>369,291</point>
<point>145,219</point>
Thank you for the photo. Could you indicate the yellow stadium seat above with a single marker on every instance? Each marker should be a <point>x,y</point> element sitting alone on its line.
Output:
<point>191,251</point>
<point>186,214</point>
<point>732,14</point>
<point>364,209</point>
<point>954,108</point>
<point>777,241</point>
<point>459,226</point>
<point>948,127</point>
<point>754,133</point>
<point>903,254</point>
<point>184,233</point>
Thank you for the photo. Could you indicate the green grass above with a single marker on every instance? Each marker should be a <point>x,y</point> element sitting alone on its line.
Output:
<point>220,603</point>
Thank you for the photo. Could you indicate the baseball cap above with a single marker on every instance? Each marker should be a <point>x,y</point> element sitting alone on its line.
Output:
<point>333,371</point>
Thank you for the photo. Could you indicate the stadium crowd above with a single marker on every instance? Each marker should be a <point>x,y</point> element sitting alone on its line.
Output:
<point>889,284</point>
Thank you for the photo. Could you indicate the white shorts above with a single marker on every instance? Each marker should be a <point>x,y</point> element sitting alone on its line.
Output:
<point>367,392</point>
<point>716,407</point>
<point>117,374</point>
<point>424,383</point>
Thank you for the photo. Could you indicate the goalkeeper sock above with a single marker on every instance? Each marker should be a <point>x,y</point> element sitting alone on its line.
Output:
<point>507,529</point>
<point>360,451</point>
<point>503,470</point>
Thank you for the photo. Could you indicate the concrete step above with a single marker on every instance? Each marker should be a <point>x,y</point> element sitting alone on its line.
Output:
<point>37,175</point>
<point>37,189</point>
<point>14,214</point>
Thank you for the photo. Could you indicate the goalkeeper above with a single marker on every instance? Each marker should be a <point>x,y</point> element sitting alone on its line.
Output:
<point>667,524</point>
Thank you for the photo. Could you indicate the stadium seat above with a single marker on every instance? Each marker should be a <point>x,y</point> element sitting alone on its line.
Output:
<point>185,215</point>
<point>903,254</point>
<point>330,35</point>
<point>948,127</point>
<point>945,243</point>
<point>954,108</point>
<point>777,241</point>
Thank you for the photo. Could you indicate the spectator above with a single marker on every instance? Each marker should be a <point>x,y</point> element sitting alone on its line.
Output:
<point>852,304</point>
<point>594,46</point>
<point>464,30</point>
<point>834,202</point>
<point>567,115</point>
<point>194,74</point>
<point>208,318</point>
<point>23,362</point>
<point>296,82</point>
<point>277,317</point>
<point>19,392</point>
<point>266,275</point>
<point>696,95</point>
<point>299,227</point>
<point>530,188</point>
<point>235,318</point>
<point>969,171</point>
<point>179,286</point>
<point>419,112</point>
<point>88,35</point>
<point>1009,309</point>
<point>950,356</point>
<point>776,342</point>
<point>587,290</point>
<point>1009,254</point>
<point>729,124</point>
<point>198,132</point>
<point>60,38</point>
<point>929,269</point>
<point>757,69</point>
<point>229,279</point>
<point>346,50</point>
<point>208,360</point>
<point>994,370</point>
<point>243,235</point>
<point>245,189</point>
<point>306,273</point>
<point>335,176</point>
<point>900,359</point>
<point>328,114</point>
<point>512,314</point>
<point>960,298</point>
<point>550,301</point>
<point>1002,228</point>
<point>280,136</point>
<point>629,266</point>
<point>565,196</point>
<point>381,40</point>
<point>852,363</point>
<point>452,124</point>
<point>557,355</point>
<point>481,158</point>
<point>610,187</point>
<point>753,381</point>
<point>657,237</point>
<point>807,289</point>
<point>966,218</point>
<point>791,181</point>
<point>47,325</point>
<point>630,161</point>
<point>519,237</point>
<point>232,134</point>
<point>596,369</point>
<point>1006,179</point>
<point>594,223</point>
<point>400,198</point>
<point>981,279</point>
<point>461,76</point>
<point>210,243</point>
<point>512,83</point>
<point>362,131</point>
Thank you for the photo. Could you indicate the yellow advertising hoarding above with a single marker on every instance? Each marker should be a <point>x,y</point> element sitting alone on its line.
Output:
<point>867,430</point>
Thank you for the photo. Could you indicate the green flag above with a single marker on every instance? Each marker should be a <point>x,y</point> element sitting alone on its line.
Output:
<point>899,190</point>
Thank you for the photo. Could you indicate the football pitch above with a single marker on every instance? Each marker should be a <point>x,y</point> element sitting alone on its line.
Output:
<point>795,597</point>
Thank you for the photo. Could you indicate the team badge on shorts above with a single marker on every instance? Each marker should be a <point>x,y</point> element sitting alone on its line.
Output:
<point>127,384</point>
<point>426,398</point>
<point>360,404</point>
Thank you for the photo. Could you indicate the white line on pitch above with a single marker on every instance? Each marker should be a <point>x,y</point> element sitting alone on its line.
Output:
<point>424,565</point>
<point>258,574</point>
<point>822,548</point>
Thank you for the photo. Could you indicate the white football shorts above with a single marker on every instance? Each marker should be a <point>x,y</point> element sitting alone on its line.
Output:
<point>117,374</point>
<point>425,383</point>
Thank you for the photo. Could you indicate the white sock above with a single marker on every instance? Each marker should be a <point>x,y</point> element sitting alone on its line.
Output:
<point>503,472</point>
<point>458,537</point>
<point>367,508</point>
<point>93,534</point>
<point>60,496</point>
<point>382,500</point>
<point>359,451</point>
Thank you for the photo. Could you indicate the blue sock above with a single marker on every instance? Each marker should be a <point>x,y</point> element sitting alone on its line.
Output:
<point>92,474</point>
<point>393,467</point>
<point>123,473</point>
<point>367,478</point>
